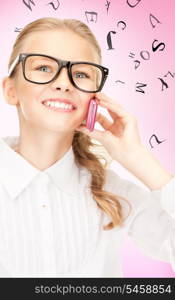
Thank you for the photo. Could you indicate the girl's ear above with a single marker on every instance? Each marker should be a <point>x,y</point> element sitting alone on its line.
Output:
<point>9,91</point>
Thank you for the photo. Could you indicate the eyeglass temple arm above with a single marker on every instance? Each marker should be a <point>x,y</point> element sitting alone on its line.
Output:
<point>13,65</point>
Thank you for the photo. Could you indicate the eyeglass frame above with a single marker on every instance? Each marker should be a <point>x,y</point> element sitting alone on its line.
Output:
<point>62,63</point>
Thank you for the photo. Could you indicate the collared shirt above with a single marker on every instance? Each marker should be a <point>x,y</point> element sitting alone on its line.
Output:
<point>50,225</point>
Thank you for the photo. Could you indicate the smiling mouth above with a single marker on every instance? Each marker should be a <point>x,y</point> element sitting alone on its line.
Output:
<point>58,109</point>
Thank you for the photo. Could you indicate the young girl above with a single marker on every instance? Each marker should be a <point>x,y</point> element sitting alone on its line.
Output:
<point>63,213</point>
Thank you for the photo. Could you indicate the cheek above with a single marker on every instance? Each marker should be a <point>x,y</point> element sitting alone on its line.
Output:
<point>29,93</point>
<point>85,99</point>
<point>84,103</point>
<point>29,100</point>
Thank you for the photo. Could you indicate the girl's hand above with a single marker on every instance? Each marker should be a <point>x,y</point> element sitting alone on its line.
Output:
<point>121,136</point>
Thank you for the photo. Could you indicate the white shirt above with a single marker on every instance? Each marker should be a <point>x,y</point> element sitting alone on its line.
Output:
<point>50,226</point>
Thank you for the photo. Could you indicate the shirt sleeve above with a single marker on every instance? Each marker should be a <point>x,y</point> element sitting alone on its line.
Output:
<point>151,221</point>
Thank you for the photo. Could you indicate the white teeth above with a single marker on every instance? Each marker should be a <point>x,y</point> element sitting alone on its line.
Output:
<point>58,104</point>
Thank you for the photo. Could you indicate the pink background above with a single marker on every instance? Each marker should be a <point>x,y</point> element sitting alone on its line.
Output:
<point>154,109</point>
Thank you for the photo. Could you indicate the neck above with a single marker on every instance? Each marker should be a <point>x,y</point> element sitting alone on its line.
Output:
<point>42,151</point>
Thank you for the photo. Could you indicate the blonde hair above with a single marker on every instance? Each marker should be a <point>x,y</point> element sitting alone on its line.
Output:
<point>83,146</point>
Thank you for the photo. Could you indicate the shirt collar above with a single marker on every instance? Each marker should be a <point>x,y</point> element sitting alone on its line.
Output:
<point>16,173</point>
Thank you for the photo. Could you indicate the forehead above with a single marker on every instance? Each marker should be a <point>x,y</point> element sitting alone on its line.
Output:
<point>63,44</point>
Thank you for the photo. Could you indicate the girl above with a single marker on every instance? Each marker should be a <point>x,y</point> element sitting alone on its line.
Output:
<point>63,212</point>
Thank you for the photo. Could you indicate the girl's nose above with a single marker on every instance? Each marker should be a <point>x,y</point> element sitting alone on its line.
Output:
<point>62,81</point>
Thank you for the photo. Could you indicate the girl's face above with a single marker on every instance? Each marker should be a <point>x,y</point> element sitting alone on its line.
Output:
<point>65,45</point>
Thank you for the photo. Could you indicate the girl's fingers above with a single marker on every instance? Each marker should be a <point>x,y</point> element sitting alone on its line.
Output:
<point>105,98</point>
<point>112,114</point>
<point>103,121</point>
<point>112,105</point>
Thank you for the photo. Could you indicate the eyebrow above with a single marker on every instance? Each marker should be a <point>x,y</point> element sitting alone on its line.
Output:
<point>33,58</point>
<point>81,66</point>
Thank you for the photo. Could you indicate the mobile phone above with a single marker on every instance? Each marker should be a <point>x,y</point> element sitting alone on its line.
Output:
<point>91,114</point>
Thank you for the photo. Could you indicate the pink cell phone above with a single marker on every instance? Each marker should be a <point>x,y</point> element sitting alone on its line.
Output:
<point>91,115</point>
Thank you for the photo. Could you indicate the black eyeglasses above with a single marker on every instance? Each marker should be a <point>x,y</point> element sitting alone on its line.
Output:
<point>41,69</point>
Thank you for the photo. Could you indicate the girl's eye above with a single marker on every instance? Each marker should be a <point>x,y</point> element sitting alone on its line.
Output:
<point>42,67</point>
<point>81,75</point>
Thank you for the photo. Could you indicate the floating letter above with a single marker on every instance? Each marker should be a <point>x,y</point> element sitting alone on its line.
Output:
<point>28,4</point>
<point>163,83</point>
<point>159,45</point>
<point>151,16</point>
<point>139,86</point>
<point>137,2</point>
<point>159,142</point>
<point>54,7</point>
<point>109,41</point>
<point>91,13</point>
